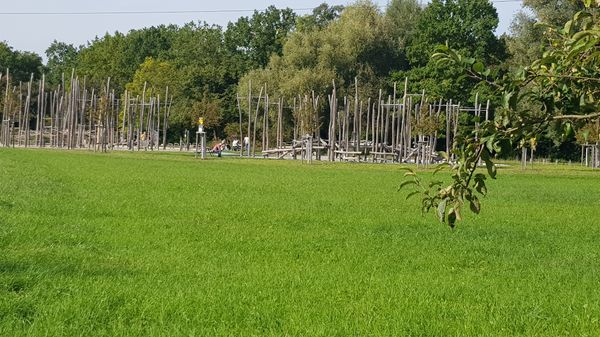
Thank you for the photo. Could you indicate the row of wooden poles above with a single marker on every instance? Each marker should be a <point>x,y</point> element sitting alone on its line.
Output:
<point>392,129</point>
<point>75,116</point>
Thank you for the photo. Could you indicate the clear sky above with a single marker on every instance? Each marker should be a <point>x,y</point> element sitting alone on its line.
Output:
<point>34,32</point>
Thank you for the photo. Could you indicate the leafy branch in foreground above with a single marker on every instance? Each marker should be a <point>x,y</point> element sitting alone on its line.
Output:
<point>466,186</point>
<point>560,89</point>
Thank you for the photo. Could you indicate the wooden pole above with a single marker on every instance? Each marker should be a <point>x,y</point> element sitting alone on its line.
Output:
<point>27,103</point>
<point>367,122</point>
<point>249,116</point>
<point>332,122</point>
<point>165,119</point>
<point>255,120</point>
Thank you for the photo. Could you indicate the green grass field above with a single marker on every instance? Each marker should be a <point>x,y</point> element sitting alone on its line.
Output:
<point>147,244</point>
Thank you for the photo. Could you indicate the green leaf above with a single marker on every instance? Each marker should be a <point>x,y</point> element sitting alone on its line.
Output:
<point>475,205</point>
<point>439,56</point>
<point>406,183</point>
<point>582,14</point>
<point>506,99</point>
<point>567,27</point>
<point>505,120</point>
<point>441,48</point>
<point>490,143</point>
<point>580,35</point>
<point>480,183</point>
<point>407,169</point>
<point>453,55</point>
<point>411,194</point>
<point>478,67</point>
<point>441,210</point>
<point>435,183</point>
<point>491,168</point>
<point>497,147</point>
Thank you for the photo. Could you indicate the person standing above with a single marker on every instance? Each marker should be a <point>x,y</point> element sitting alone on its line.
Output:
<point>247,145</point>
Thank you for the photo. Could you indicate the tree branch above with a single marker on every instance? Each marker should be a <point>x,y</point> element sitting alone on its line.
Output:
<point>570,77</point>
<point>578,117</point>
<point>472,170</point>
<point>475,76</point>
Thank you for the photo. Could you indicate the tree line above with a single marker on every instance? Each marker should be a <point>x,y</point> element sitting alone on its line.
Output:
<point>205,66</point>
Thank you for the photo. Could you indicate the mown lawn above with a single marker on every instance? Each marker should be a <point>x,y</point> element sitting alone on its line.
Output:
<point>148,244</point>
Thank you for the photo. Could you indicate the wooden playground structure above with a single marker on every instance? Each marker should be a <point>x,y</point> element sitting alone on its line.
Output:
<point>75,116</point>
<point>402,128</point>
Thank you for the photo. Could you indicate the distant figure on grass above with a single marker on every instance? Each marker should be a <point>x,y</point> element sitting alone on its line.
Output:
<point>235,145</point>
<point>247,145</point>
<point>218,148</point>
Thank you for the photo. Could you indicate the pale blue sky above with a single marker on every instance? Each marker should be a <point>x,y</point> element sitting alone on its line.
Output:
<point>36,32</point>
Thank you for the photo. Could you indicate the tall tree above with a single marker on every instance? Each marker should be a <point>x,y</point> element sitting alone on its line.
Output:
<point>403,16</point>
<point>262,35</point>
<point>320,17</point>
<point>523,41</point>
<point>103,58</point>
<point>62,58</point>
<point>119,55</point>
<point>525,47</point>
<point>155,76</point>
<point>553,12</point>
<point>20,63</point>
<point>465,25</point>
<point>355,44</point>
<point>201,60</point>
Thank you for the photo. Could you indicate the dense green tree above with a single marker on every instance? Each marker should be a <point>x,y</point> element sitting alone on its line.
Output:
<point>105,58</point>
<point>207,73</point>
<point>553,12</point>
<point>207,66</point>
<point>320,17</point>
<point>357,44</point>
<point>403,17</point>
<point>261,35</point>
<point>200,58</point>
<point>523,41</point>
<point>464,25</point>
<point>185,114</point>
<point>155,76</point>
<point>119,55</point>
<point>62,59</point>
<point>149,42</point>
<point>525,47</point>
<point>21,64</point>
